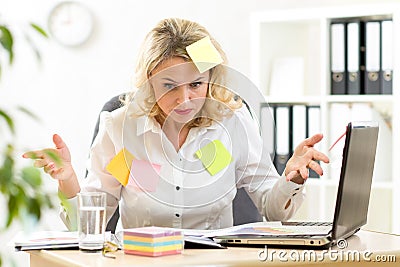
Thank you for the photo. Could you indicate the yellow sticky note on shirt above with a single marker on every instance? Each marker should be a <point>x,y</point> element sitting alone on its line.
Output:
<point>214,156</point>
<point>120,165</point>
<point>204,54</point>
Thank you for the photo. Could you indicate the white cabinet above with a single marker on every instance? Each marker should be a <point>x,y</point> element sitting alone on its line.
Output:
<point>301,36</point>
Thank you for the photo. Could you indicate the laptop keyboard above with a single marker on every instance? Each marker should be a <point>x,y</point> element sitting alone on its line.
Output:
<point>313,223</point>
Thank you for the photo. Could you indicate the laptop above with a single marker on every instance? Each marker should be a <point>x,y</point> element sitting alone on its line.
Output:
<point>352,199</point>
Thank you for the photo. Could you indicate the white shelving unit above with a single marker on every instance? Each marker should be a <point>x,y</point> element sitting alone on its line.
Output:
<point>304,33</point>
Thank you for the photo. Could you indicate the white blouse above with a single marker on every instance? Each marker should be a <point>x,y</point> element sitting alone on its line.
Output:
<point>185,194</point>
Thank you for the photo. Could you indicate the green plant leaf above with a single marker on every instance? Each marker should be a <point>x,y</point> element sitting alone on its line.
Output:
<point>9,121</point>
<point>5,178</point>
<point>34,207</point>
<point>53,156</point>
<point>6,40</point>
<point>48,201</point>
<point>39,30</point>
<point>31,155</point>
<point>34,48</point>
<point>5,175</point>
<point>12,209</point>
<point>29,113</point>
<point>64,200</point>
<point>31,175</point>
<point>7,170</point>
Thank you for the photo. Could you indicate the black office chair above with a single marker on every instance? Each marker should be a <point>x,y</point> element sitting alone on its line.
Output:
<point>244,210</point>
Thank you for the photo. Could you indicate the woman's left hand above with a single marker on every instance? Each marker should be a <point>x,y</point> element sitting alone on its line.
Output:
<point>305,157</point>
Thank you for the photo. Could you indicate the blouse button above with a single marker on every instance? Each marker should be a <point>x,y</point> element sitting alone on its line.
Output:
<point>177,215</point>
<point>177,187</point>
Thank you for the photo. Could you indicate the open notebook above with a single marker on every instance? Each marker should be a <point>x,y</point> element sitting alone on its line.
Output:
<point>351,203</point>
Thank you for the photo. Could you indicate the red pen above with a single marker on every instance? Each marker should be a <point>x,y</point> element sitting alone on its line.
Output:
<point>337,141</point>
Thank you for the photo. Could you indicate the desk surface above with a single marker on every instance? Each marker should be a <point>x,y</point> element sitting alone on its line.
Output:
<point>369,247</point>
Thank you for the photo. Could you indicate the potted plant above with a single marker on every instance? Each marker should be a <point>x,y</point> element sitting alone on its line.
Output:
<point>21,188</point>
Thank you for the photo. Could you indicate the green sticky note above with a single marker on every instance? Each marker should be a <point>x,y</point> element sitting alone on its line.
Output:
<point>204,54</point>
<point>214,156</point>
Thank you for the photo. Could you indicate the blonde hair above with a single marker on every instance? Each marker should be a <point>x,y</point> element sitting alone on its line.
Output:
<point>169,38</point>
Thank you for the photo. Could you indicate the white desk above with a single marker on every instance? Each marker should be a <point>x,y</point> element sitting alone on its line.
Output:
<point>375,246</point>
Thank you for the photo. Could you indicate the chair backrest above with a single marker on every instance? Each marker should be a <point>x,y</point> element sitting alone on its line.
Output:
<point>244,210</point>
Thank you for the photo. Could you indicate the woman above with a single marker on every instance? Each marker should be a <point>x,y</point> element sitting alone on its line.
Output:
<point>192,141</point>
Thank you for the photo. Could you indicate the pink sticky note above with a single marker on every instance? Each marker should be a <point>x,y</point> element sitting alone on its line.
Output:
<point>144,175</point>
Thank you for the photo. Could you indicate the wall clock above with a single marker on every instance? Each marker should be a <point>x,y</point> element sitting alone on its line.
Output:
<point>70,23</point>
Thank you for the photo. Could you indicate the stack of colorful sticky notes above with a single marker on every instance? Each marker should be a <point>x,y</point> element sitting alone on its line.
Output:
<point>153,241</point>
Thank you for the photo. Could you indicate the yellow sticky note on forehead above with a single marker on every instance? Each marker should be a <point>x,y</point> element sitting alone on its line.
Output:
<point>204,54</point>
<point>120,165</point>
<point>214,156</point>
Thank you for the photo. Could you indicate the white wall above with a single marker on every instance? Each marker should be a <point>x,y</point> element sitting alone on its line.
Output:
<point>68,88</point>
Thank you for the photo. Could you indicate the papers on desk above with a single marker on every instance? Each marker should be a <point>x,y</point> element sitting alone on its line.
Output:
<point>193,238</point>
<point>204,238</point>
<point>245,229</point>
<point>51,240</point>
<point>261,229</point>
<point>46,240</point>
<point>200,242</point>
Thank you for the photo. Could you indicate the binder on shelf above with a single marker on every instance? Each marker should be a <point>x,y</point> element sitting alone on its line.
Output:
<point>372,57</point>
<point>299,125</point>
<point>362,57</point>
<point>338,58</point>
<point>313,122</point>
<point>282,137</point>
<point>387,57</point>
<point>267,123</point>
<point>353,81</point>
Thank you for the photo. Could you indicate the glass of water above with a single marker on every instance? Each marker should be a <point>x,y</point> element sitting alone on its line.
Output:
<point>92,220</point>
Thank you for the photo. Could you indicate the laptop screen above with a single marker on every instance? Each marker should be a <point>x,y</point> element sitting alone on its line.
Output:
<point>355,179</point>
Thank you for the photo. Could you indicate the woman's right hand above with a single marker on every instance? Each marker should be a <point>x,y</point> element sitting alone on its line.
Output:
<point>60,169</point>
